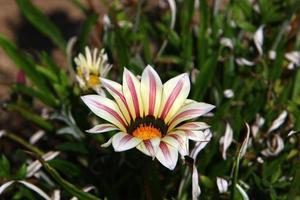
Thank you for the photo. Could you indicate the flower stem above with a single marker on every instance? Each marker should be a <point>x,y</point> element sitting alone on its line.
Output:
<point>24,143</point>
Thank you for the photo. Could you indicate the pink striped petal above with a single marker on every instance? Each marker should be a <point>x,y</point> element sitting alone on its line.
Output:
<point>102,128</point>
<point>167,155</point>
<point>189,111</point>
<point>132,94</point>
<point>151,90</point>
<point>105,109</point>
<point>124,141</point>
<point>193,126</point>
<point>197,135</point>
<point>149,147</point>
<point>182,140</point>
<point>175,92</point>
<point>115,90</point>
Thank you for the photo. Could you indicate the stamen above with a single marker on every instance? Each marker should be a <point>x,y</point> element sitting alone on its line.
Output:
<point>93,81</point>
<point>146,132</point>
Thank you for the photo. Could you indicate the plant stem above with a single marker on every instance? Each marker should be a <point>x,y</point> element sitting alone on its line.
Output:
<point>24,143</point>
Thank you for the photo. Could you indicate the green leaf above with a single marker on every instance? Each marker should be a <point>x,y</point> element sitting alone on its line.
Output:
<point>69,187</point>
<point>41,22</point>
<point>23,62</point>
<point>4,167</point>
<point>65,167</point>
<point>21,173</point>
<point>72,147</point>
<point>31,117</point>
<point>46,98</point>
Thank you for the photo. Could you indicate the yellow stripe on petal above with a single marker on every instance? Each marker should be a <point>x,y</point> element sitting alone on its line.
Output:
<point>115,90</point>
<point>105,109</point>
<point>175,92</point>
<point>132,94</point>
<point>151,91</point>
<point>189,111</point>
<point>167,155</point>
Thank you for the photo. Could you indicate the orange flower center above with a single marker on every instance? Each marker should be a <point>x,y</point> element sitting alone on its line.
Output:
<point>93,81</point>
<point>146,132</point>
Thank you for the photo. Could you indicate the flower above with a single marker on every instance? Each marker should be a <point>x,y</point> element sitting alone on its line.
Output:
<point>149,115</point>
<point>90,68</point>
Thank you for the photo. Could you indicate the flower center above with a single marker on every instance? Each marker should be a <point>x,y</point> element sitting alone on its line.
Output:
<point>93,80</point>
<point>147,127</point>
<point>146,132</point>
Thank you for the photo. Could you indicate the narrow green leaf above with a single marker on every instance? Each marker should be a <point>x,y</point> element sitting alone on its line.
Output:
<point>69,187</point>
<point>41,22</point>
<point>46,98</point>
<point>31,117</point>
<point>23,62</point>
<point>4,167</point>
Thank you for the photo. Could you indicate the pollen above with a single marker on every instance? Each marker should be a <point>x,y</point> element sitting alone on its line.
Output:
<point>93,80</point>
<point>146,132</point>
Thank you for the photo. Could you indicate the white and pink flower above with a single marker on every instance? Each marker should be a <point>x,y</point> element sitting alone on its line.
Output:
<point>150,115</point>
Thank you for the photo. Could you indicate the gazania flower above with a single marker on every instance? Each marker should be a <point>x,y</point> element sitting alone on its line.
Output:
<point>150,115</point>
<point>90,68</point>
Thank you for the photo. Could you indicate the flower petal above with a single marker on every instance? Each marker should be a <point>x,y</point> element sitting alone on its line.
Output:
<point>105,109</point>
<point>124,141</point>
<point>101,128</point>
<point>201,144</point>
<point>182,140</point>
<point>175,92</point>
<point>226,140</point>
<point>151,91</point>
<point>189,111</point>
<point>149,147</point>
<point>132,93</point>
<point>115,90</point>
<point>193,126</point>
<point>167,155</point>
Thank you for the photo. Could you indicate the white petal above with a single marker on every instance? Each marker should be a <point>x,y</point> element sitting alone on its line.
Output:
<point>2,133</point>
<point>36,165</point>
<point>36,136</point>
<point>228,93</point>
<point>107,144</point>
<point>275,146</point>
<point>35,189</point>
<point>124,141</point>
<point>226,42</point>
<point>259,39</point>
<point>182,140</point>
<point>272,54</point>
<point>293,57</point>
<point>244,146</point>
<point>175,92</point>
<point>116,91</point>
<point>242,192</point>
<point>132,94</point>
<point>278,121</point>
<point>222,185</point>
<point>189,111</point>
<point>151,91</point>
<point>105,109</point>
<point>227,140</point>
<point>200,145</point>
<point>56,195</point>
<point>195,184</point>
<point>149,147</point>
<point>4,186</point>
<point>167,155</point>
<point>243,61</point>
<point>193,126</point>
<point>102,128</point>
